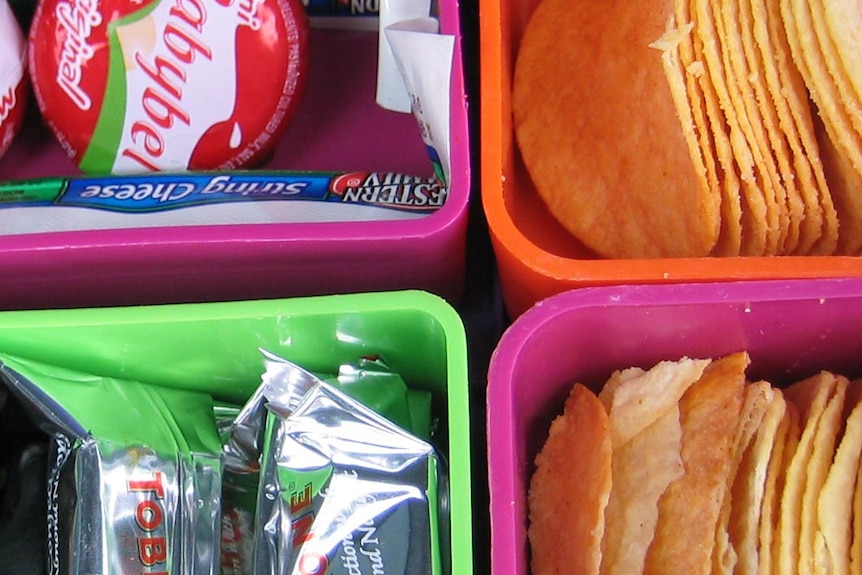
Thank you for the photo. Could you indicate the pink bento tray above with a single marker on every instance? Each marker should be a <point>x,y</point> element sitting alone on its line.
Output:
<point>791,329</point>
<point>338,127</point>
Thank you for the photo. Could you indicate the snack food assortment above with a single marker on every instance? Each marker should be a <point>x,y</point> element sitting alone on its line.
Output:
<point>697,139</point>
<point>700,428</point>
<point>181,152</point>
<point>704,472</point>
<point>313,394</point>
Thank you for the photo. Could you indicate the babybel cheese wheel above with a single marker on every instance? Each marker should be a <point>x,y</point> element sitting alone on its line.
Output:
<point>132,86</point>
<point>13,78</point>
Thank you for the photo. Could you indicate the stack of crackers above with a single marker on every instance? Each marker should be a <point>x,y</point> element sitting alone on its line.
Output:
<point>688,128</point>
<point>688,467</point>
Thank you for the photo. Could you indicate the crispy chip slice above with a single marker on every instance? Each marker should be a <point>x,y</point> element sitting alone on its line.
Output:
<point>754,493</point>
<point>642,469</point>
<point>849,194</point>
<point>845,183</point>
<point>790,96</point>
<point>829,51</point>
<point>635,398</point>
<point>757,231</point>
<point>742,230</point>
<point>786,440</point>
<point>694,128</point>
<point>844,20</point>
<point>730,229</point>
<point>856,537</point>
<point>755,74</point>
<point>615,381</point>
<point>810,396</point>
<point>570,488</point>
<point>689,508</point>
<point>823,450</point>
<point>809,59</point>
<point>738,522</point>
<point>741,87</point>
<point>835,500</point>
<point>645,434</point>
<point>755,400</point>
<point>573,135</point>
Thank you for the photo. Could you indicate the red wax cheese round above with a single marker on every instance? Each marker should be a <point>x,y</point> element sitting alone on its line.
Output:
<point>13,77</point>
<point>132,86</point>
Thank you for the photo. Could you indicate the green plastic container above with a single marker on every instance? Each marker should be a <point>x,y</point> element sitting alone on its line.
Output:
<point>215,347</point>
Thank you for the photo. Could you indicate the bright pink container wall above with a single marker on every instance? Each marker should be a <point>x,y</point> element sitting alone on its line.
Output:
<point>790,328</point>
<point>338,128</point>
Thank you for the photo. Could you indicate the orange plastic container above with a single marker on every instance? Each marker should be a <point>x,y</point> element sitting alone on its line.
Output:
<point>536,257</point>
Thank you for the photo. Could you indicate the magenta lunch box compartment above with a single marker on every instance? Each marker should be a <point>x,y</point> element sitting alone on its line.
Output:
<point>338,127</point>
<point>791,329</point>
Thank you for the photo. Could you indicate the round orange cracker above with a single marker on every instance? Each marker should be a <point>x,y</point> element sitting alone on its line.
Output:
<point>613,160</point>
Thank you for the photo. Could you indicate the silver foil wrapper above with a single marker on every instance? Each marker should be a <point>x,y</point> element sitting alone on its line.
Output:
<point>344,491</point>
<point>118,509</point>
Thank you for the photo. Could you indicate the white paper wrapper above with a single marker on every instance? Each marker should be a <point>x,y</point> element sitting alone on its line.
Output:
<point>424,59</point>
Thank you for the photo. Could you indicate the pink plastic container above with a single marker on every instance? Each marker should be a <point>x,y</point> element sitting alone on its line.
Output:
<point>790,328</point>
<point>338,127</point>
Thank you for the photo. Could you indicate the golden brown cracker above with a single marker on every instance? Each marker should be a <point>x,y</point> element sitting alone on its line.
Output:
<point>690,506</point>
<point>810,396</point>
<point>769,119</point>
<point>736,542</point>
<point>635,398</point>
<point>786,440</point>
<point>809,59</point>
<point>642,469</point>
<point>823,450</point>
<point>744,100</point>
<point>845,184</point>
<point>570,488</point>
<point>843,19</point>
<point>787,88</point>
<point>834,525</point>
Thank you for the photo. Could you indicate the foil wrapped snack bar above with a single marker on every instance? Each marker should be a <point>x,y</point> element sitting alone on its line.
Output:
<point>342,488</point>
<point>134,474</point>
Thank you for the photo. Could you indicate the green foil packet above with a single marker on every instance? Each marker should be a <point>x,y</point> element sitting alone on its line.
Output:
<point>368,380</point>
<point>135,472</point>
<point>343,490</point>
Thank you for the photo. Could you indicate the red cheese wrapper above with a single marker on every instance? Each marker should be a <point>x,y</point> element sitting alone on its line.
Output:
<point>133,86</point>
<point>13,77</point>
